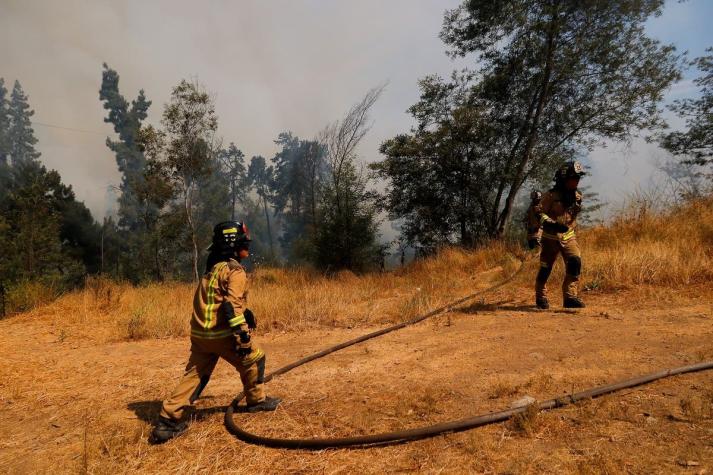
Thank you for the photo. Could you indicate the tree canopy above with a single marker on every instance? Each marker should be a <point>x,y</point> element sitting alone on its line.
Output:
<point>551,79</point>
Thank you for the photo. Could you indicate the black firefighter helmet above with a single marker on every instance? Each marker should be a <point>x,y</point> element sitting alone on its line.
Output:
<point>229,237</point>
<point>572,169</point>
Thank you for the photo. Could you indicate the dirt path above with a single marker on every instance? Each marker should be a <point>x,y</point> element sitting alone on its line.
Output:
<point>70,404</point>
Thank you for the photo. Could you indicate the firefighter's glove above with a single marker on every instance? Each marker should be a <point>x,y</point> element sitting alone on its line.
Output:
<point>244,345</point>
<point>532,243</point>
<point>250,319</point>
<point>244,351</point>
<point>555,227</point>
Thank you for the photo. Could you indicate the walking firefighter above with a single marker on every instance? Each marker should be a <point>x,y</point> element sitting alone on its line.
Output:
<point>220,328</point>
<point>556,214</point>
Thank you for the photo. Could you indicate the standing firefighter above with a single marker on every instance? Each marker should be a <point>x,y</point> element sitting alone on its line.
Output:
<point>220,328</point>
<point>557,214</point>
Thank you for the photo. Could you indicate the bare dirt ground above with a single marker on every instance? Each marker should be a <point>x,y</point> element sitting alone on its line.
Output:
<point>71,403</point>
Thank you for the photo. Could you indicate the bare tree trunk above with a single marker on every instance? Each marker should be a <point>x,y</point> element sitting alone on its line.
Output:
<point>532,135</point>
<point>157,261</point>
<point>269,230</point>
<point>233,198</point>
<point>189,216</point>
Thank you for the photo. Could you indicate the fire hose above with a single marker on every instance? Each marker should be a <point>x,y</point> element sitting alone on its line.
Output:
<point>437,429</point>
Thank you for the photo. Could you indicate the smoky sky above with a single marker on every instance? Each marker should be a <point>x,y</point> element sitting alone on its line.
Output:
<point>271,66</point>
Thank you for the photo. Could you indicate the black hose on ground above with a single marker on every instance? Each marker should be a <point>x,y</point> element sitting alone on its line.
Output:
<point>447,427</point>
<point>430,431</point>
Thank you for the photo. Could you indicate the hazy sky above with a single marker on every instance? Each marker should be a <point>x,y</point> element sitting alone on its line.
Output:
<point>271,65</point>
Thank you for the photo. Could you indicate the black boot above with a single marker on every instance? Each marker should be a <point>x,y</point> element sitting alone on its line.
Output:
<point>269,404</point>
<point>166,429</point>
<point>542,303</point>
<point>573,302</point>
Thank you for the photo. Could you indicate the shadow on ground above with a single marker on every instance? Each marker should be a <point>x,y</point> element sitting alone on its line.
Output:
<point>503,306</point>
<point>148,411</point>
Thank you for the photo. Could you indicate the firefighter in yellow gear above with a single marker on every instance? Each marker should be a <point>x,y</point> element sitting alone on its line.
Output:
<point>556,214</point>
<point>220,328</point>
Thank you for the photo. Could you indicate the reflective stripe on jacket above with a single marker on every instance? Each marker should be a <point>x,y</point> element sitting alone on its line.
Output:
<point>556,206</point>
<point>219,301</point>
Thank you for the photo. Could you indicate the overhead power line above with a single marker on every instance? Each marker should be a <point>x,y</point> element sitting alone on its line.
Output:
<point>69,128</point>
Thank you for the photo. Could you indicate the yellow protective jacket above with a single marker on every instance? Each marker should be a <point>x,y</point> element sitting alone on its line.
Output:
<point>222,287</point>
<point>557,206</point>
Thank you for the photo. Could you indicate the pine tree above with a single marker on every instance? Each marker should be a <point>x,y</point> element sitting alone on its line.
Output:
<point>232,160</point>
<point>127,121</point>
<point>47,233</point>
<point>21,137</point>
<point>4,141</point>
<point>143,189</point>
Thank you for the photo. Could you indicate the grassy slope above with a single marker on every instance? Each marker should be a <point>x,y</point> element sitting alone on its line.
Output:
<point>79,374</point>
<point>639,249</point>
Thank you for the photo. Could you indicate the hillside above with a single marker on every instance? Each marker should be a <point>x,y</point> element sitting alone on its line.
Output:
<point>83,376</point>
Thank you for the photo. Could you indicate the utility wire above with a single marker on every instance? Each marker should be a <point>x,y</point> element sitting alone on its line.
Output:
<point>69,128</point>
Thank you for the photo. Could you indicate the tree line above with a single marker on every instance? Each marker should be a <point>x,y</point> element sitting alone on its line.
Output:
<point>308,204</point>
<point>46,235</point>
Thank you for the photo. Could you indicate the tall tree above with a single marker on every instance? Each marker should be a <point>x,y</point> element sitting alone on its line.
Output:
<point>21,136</point>
<point>139,202</point>
<point>47,233</point>
<point>694,146</point>
<point>233,162</point>
<point>346,235</point>
<point>300,169</point>
<point>562,73</point>
<point>261,178</point>
<point>127,121</point>
<point>552,78</point>
<point>190,124</point>
<point>4,141</point>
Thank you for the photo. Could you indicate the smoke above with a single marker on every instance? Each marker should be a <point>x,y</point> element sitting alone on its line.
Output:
<point>272,66</point>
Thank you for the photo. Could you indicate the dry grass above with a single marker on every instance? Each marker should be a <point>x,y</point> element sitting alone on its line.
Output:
<point>81,393</point>
<point>674,249</point>
<point>527,422</point>
<point>286,299</point>
<point>639,249</point>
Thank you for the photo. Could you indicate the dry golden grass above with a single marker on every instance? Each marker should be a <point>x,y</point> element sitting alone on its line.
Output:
<point>639,250</point>
<point>286,299</point>
<point>80,394</point>
<point>674,249</point>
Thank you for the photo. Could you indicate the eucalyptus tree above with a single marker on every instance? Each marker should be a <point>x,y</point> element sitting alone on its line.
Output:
<point>189,123</point>
<point>261,178</point>
<point>232,161</point>
<point>551,79</point>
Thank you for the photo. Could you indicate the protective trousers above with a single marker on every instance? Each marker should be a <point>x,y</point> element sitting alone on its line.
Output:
<point>204,356</point>
<point>551,248</point>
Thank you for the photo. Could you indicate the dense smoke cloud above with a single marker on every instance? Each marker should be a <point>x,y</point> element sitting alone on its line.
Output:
<point>273,66</point>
